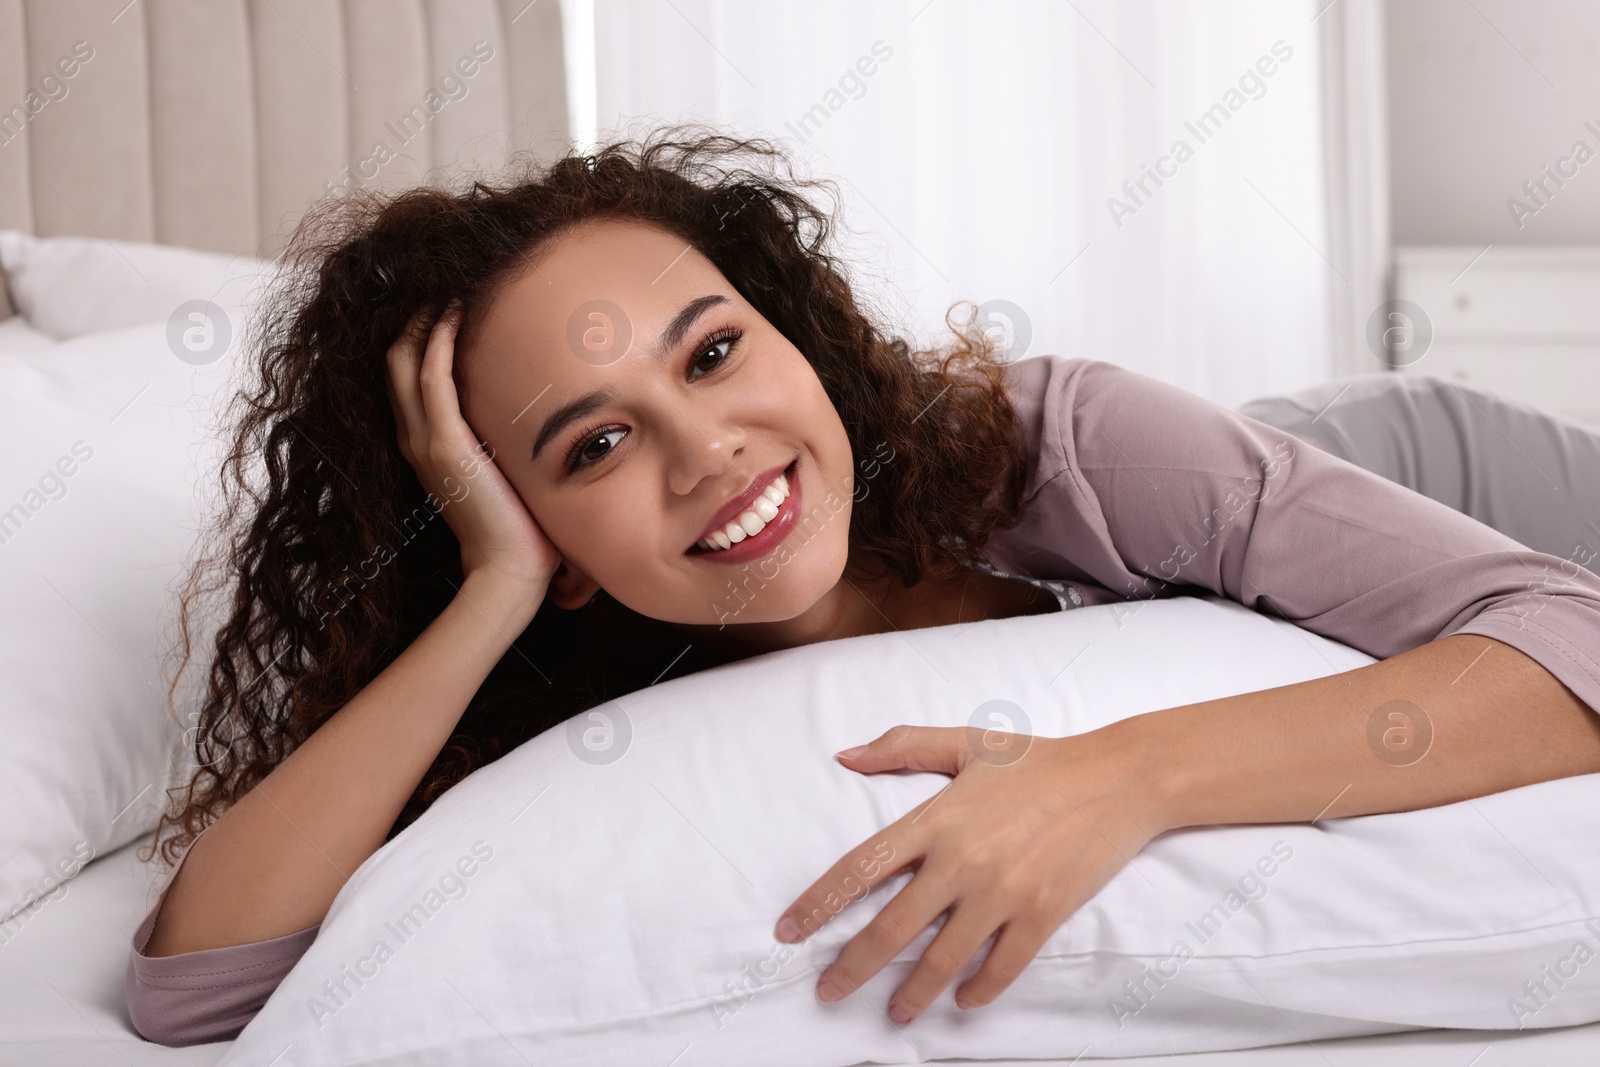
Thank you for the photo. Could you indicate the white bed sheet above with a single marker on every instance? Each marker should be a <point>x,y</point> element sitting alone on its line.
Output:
<point>61,967</point>
<point>61,1001</point>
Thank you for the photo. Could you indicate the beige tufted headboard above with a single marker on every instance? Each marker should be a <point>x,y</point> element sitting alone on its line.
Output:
<point>214,123</point>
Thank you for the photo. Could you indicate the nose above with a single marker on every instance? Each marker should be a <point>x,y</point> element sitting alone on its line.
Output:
<point>701,442</point>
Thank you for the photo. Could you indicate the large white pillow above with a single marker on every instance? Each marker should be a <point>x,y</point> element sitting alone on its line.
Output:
<point>72,286</point>
<point>103,440</point>
<point>16,335</point>
<point>554,908</point>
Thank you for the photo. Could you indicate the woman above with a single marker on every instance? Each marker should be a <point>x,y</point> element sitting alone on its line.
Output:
<point>646,404</point>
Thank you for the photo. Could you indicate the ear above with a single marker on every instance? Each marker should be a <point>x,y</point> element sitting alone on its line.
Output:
<point>570,589</point>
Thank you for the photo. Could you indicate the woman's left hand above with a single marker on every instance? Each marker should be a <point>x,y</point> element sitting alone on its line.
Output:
<point>1027,832</point>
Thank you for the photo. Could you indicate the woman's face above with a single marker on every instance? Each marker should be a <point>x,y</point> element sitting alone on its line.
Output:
<point>632,397</point>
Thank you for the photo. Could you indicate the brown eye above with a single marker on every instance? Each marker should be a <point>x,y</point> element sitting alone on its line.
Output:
<point>585,451</point>
<point>718,347</point>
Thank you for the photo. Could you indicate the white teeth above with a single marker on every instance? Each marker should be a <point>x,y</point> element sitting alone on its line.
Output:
<point>762,510</point>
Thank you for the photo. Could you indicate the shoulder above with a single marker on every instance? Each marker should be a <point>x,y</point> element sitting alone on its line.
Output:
<point>1041,385</point>
<point>1040,388</point>
<point>1076,410</point>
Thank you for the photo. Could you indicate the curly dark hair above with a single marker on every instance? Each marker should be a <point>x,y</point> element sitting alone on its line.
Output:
<point>325,552</point>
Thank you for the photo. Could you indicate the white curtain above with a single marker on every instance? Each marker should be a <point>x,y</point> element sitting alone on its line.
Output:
<point>996,152</point>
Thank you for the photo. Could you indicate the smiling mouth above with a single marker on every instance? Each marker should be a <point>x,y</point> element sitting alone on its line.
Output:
<point>758,528</point>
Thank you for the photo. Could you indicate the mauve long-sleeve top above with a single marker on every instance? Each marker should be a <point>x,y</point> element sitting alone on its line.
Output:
<point>1138,490</point>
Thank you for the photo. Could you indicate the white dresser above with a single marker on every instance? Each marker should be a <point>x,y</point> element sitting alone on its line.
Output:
<point>1524,322</point>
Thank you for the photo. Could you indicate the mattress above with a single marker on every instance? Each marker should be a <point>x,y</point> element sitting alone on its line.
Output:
<point>61,1000</point>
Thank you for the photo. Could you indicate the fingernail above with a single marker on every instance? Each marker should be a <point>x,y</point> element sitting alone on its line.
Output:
<point>850,753</point>
<point>825,991</point>
<point>899,1014</point>
<point>962,1002</point>
<point>788,931</point>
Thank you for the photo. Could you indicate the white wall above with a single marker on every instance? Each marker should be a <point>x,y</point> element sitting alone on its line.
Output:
<point>1484,94</point>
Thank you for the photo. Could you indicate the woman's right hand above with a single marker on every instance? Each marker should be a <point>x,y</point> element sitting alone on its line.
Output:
<point>274,861</point>
<point>496,531</point>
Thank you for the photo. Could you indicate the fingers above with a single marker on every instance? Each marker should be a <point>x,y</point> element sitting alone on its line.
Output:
<point>944,749</point>
<point>963,933</point>
<point>1018,943</point>
<point>848,880</point>
<point>405,392</point>
<point>439,397</point>
<point>885,937</point>
<point>423,391</point>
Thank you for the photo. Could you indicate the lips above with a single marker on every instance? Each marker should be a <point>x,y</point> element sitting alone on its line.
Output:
<point>741,503</point>
<point>765,541</point>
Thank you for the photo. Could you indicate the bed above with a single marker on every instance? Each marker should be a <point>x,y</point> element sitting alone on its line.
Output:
<point>104,239</point>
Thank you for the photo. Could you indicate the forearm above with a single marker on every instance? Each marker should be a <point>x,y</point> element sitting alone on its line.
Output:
<point>1331,747</point>
<point>272,863</point>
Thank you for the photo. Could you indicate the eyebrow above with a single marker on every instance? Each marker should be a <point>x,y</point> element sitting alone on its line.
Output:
<point>570,412</point>
<point>671,337</point>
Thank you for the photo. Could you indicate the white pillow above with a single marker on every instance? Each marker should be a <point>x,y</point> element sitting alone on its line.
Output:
<point>557,909</point>
<point>102,440</point>
<point>71,286</point>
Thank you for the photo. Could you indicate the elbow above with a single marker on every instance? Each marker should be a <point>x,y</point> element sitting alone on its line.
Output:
<point>176,1016</point>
